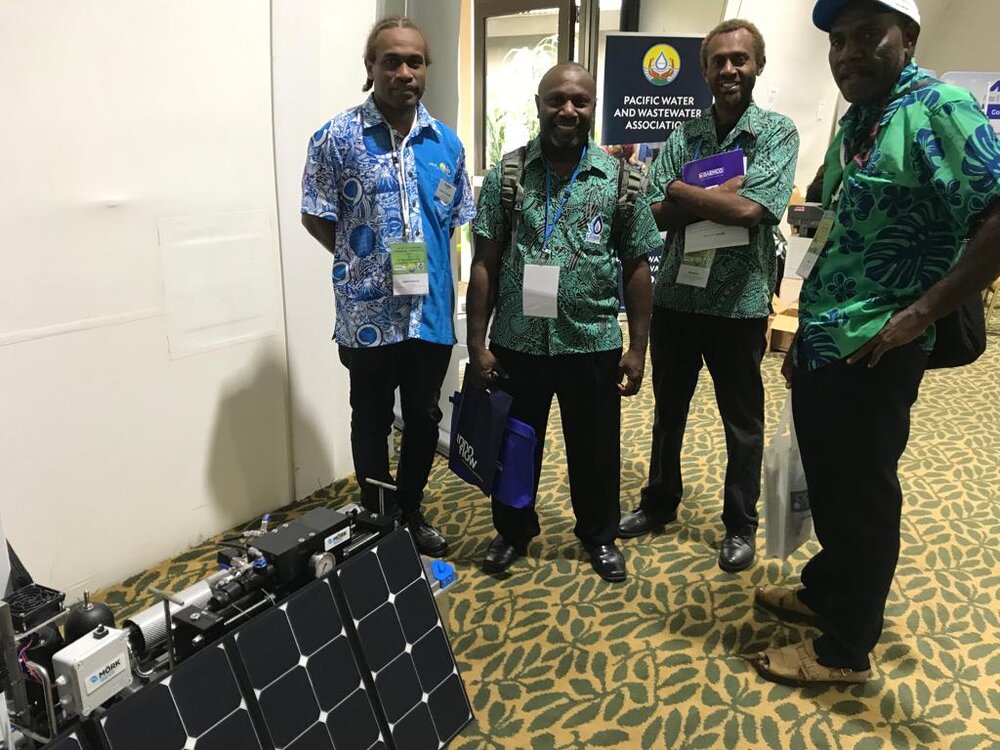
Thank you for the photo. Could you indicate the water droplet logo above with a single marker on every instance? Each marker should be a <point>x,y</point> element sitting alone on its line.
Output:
<point>661,64</point>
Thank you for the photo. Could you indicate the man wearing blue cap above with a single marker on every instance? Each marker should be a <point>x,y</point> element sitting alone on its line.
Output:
<point>913,172</point>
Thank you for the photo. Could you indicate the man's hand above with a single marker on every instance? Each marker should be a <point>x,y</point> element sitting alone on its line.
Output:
<point>631,366</point>
<point>903,327</point>
<point>732,185</point>
<point>484,368</point>
<point>788,366</point>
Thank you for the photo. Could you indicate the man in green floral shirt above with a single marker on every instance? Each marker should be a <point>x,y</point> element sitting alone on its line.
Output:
<point>913,171</point>
<point>565,254</point>
<point>719,318</point>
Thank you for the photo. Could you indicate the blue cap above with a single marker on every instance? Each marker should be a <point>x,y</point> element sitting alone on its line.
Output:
<point>826,10</point>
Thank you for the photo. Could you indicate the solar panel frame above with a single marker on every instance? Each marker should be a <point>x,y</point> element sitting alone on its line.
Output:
<point>176,704</point>
<point>288,691</point>
<point>73,739</point>
<point>390,632</point>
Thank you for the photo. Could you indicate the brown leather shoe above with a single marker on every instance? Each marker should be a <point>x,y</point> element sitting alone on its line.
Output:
<point>796,665</point>
<point>784,603</point>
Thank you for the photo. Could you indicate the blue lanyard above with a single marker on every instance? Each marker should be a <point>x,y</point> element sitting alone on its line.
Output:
<point>550,228</point>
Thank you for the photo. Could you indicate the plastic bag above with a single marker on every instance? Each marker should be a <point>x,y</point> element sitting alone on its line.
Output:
<point>786,499</point>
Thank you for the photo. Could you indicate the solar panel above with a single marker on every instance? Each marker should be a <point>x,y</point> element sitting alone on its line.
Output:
<point>198,706</point>
<point>70,741</point>
<point>305,675</point>
<point>404,644</point>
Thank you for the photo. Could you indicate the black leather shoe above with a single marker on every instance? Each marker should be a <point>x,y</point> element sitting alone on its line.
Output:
<point>608,561</point>
<point>640,523</point>
<point>737,551</point>
<point>500,555</point>
<point>428,539</point>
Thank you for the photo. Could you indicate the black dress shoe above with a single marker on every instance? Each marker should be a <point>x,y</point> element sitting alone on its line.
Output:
<point>608,561</point>
<point>737,551</point>
<point>500,555</point>
<point>428,539</point>
<point>640,523</point>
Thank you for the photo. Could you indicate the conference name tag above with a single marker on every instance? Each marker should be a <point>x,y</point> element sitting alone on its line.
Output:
<point>819,241</point>
<point>696,268</point>
<point>445,191</point>
<point>409,268</point>
<point>540,291</point>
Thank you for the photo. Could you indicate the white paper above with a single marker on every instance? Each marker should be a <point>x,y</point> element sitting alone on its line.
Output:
<point>410,284</point>
<point>541,287</point>
<point>707,235</point>
<point>696,268</point>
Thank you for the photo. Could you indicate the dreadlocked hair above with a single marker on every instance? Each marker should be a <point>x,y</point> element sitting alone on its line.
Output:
<point>391,22</point>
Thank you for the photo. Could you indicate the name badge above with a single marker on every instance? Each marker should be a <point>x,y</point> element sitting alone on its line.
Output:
<point>819,241</point>
<point>409,268</point>
<point>594,230</point>
<point>445,191</point>
<point>696,268</point>
<point>540,291</point>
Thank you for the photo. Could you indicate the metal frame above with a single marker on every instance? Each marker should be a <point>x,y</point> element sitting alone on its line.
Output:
<point>484,9</point>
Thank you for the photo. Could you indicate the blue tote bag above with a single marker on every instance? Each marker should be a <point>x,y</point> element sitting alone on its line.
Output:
<point>478,419</point>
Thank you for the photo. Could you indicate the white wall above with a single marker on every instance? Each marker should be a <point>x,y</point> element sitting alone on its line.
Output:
<point>959,36</point>
<point>318,71</point>
<point>142,361</point>
<point>679,17</point>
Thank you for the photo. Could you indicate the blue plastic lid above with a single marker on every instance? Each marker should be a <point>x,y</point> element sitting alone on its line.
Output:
<point>443,572</point>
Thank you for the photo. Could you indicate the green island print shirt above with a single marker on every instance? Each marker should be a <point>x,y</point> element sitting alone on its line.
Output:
<point>742,278</point>
<point>587,302</point>
<point>903,213</point>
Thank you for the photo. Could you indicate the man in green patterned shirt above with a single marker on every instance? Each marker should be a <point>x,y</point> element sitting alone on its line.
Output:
<point>719,318</point>
<point>555,329</point>
<point>913,171</point>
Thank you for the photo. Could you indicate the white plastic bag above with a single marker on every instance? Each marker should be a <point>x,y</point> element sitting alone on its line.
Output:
<point>786,499</point>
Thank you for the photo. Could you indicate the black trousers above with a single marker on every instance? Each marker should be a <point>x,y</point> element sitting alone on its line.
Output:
<point>590,405</point>
<point>852,424</point>
<point>732,349</point>
<point>418,369</point>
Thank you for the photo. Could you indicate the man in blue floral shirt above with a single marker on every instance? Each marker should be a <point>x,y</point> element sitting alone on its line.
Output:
<point>913,171</point>
<point>384,187</point>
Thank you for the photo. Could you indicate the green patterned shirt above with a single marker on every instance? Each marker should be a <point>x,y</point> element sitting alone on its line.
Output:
<point>903,212</point>
<point>587,302</point>
<point>742,278</point>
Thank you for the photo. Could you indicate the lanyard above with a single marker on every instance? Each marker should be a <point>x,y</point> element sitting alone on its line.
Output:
<point>550,228</point>
<point>398,160</point>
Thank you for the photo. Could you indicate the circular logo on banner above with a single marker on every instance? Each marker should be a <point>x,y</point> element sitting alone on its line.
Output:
<point>661,64</point>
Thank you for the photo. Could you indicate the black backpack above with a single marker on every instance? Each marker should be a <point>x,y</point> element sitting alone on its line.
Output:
<point>631,184</point>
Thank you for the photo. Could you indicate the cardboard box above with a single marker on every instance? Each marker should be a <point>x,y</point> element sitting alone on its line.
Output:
<point>782,325</point>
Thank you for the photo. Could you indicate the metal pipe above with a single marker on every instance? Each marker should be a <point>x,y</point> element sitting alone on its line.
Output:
<point>50,709</point>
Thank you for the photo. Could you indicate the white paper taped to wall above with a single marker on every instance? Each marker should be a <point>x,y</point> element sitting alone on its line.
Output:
<point>220,279</point>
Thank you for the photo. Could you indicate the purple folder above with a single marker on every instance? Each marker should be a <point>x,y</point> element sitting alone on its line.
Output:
<point>714,170</point>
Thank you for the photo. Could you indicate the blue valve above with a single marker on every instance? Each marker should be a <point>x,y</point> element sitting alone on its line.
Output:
<point>443,572</point>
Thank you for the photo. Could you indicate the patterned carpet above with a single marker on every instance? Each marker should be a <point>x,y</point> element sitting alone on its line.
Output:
<point>555,658</point>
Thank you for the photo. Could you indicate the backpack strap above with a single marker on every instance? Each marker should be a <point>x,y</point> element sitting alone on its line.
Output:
<point>631,183</point>
<point>512,190</point>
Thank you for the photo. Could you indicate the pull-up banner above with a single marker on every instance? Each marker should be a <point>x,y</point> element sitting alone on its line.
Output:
<point>652,84</point>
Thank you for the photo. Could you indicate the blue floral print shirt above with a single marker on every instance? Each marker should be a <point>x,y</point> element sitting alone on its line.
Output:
<point>351,178</point>
<point>907,203</point>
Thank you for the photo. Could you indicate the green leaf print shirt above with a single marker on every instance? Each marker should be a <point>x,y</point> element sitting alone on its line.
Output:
<point>904,211</point>
<point>581,245</point>
<point>742,278</point>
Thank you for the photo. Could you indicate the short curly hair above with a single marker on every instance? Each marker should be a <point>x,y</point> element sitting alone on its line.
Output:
<point>726,27</point>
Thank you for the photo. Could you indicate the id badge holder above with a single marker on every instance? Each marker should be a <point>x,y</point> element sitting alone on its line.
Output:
<point>409,268</point>
<point>819,241</point>
<point>540,291</point>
